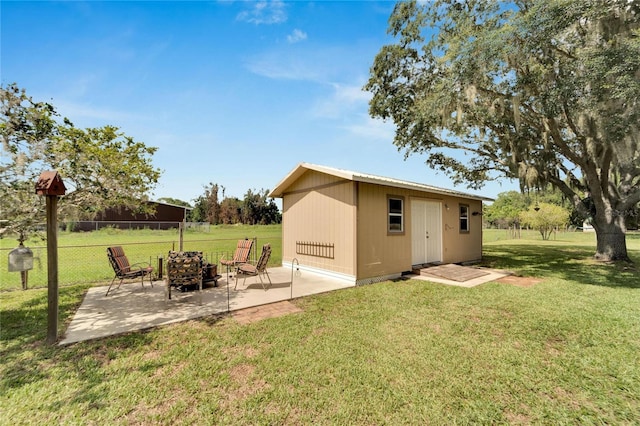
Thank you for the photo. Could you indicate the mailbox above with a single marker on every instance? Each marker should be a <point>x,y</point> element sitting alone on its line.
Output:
<point>50,183</point>
<point>20,259</point>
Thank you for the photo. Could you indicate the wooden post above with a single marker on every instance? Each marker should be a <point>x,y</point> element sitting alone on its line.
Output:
<point>24,276</point>
<point>182,224</point>
<point>51,186</point>
<point>52,268</point>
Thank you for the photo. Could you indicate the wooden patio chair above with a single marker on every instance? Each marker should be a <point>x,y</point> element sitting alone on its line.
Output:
<point>240,256</point>
<point>259,269</point>
<point>184,269</point>
<point>124,270</point>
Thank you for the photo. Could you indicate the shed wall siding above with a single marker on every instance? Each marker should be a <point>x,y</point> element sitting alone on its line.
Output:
<point>381,254</point>
<point>320,208</point>
<point>461,247</point>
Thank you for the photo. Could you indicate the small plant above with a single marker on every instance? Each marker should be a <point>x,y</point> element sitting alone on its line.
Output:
<point>545,218</point>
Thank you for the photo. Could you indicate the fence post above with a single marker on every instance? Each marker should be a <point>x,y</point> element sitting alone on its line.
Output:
<point>255,252</point>
<point>181,235</point>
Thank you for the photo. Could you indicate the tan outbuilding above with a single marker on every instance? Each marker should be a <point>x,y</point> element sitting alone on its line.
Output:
<point>364,228</point>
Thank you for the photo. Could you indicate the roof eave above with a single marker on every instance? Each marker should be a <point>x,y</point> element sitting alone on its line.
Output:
<point>419,187</point>
<point>278,191</point>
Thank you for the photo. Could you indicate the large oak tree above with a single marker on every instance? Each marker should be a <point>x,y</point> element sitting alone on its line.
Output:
<point>540,90</point>
<point>101,167</point>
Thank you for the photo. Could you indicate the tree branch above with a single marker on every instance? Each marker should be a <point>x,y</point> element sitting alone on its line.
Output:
<point>566,151</point>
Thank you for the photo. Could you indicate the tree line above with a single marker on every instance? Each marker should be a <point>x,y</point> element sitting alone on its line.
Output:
<point>545,211</point>
<point>213,207</point>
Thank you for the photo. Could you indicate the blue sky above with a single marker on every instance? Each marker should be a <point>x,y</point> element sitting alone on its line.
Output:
<point>231,92</point>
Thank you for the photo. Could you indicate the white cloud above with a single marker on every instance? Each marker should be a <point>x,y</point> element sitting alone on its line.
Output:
<point>287,65</point>
<point>344,99</point>
<point>321,64</point>
<point>349,105</point>
<point>86,115</point>
<point>296,36</point>
<point>351,94</point>
<point>372,128</point>
<point>265,12</point>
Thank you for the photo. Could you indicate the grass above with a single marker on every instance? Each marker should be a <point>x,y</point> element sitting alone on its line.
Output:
<point>561,352</point>
<point>569,257</point>
<point>82,256</point>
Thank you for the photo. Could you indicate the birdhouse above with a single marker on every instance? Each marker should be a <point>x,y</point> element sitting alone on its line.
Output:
<point>50,183</point>
<point>20,259</point>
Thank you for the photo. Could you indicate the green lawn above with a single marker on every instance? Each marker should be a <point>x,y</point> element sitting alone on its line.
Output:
<point>406,352</point>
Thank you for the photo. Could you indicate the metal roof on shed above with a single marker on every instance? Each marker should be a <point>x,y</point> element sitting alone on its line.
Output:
<point>300,169</point>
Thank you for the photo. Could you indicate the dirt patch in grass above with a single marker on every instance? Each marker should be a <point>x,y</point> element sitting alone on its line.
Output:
<point>519,281</point>
<point>517,418</point>
<point>244,351</point>
<point>241,373</point>
<point>246,385</point>
<point>258,313</point>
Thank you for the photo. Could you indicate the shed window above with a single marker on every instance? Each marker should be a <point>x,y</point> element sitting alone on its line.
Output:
<point>396,215</point>
<point>464,218</point>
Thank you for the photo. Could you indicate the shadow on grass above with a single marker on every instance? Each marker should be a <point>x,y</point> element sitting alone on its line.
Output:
<point>573,263</point>
<point>86,363</point>
<point>24,314</point>
<point>28,360</point>
<point>74,376</point>
<point>212,320</point>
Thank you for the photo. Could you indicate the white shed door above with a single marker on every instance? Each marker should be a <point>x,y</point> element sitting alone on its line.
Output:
<point>426,232</point>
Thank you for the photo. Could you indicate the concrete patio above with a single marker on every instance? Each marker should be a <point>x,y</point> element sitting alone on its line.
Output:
<point>133,307</point>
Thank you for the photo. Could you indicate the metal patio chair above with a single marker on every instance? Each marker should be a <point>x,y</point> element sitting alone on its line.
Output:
<point>124,270</point>
<point>240,256</point>
<point>259,269</point>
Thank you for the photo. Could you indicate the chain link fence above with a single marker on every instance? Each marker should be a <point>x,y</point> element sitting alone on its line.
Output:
<point>89,263</point>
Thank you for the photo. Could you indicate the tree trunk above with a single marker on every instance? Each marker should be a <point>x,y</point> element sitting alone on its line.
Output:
<point>611,239</point>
